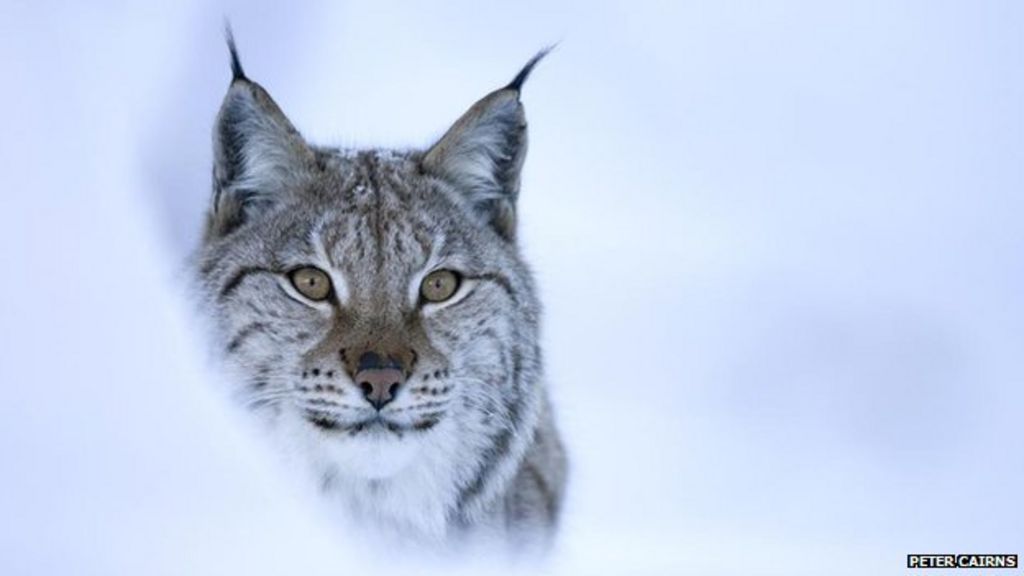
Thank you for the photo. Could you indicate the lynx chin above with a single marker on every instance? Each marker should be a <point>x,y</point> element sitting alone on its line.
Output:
<point>373,312</point>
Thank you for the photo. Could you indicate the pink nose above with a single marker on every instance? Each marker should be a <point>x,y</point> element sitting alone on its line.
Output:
<point>380,385</point>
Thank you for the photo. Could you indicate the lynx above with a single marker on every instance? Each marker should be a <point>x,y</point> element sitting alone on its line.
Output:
<point>375,314</point>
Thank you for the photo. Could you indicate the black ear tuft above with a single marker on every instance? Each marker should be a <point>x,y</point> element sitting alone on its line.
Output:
<point>237,73</point>
<point>520,79</point>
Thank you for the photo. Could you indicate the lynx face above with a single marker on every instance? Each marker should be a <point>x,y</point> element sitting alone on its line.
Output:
<point>372,304</point>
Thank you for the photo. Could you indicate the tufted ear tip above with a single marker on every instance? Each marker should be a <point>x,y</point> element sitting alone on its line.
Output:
<point>237,72</point>
<point>517,83</point>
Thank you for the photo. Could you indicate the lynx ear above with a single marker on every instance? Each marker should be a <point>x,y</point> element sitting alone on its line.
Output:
<point>482,153</point>
<point>258,154</point>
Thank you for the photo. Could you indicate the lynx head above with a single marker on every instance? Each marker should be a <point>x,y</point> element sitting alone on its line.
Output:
<point>375,299</point>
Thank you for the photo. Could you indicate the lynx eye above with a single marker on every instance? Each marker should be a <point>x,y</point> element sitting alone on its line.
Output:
<point>439,285</point>
<point>311,282</point>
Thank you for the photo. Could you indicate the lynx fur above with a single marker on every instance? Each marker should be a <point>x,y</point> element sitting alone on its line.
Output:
<point>463,442</point>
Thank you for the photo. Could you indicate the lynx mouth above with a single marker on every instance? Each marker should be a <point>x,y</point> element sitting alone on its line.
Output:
<point>377,423</point>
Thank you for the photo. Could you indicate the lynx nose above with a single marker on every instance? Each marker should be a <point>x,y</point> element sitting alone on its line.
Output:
<point>379,378</point>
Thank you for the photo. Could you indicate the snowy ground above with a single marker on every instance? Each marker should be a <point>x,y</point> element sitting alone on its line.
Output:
<point>780,248</point>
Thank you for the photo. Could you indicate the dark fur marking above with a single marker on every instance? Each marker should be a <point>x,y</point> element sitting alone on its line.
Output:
<point>321,422</point>
<point>492,455</point>
<point>499,448</point>
<point>327,481</point>
<point>545,490</point>
<point>237,73</point>
<point>520,79</point>
<point>208,267</point>
<point>517,368</point>
<point>254,328</point>
<point>504,283</point>
<point>379,222</point>
<point>321,401</point>
<point>425,424</point>
<point>238,277</point>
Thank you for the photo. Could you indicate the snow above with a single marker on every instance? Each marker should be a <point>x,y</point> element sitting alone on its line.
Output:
<point>779,248</point>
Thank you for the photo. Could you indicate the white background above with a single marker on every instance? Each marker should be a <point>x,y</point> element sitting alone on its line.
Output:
<point>779,244</point>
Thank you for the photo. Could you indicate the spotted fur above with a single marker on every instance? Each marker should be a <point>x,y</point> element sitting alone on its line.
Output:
<point>469,445</point>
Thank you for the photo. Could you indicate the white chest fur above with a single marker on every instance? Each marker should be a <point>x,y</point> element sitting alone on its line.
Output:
<point>404,486</point>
